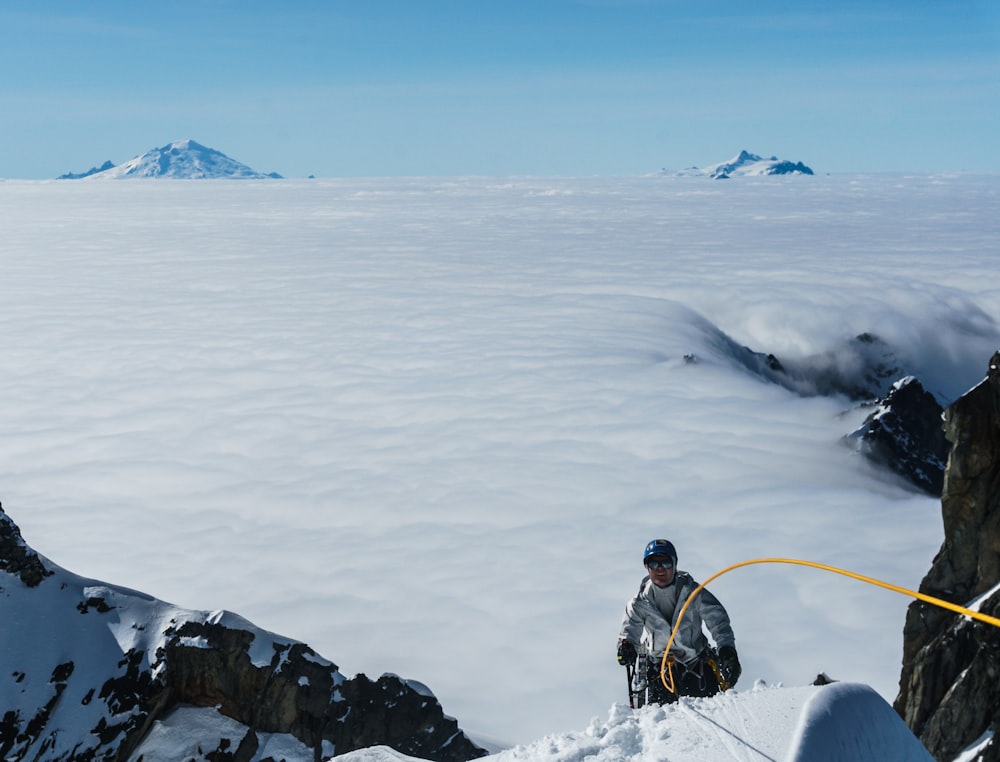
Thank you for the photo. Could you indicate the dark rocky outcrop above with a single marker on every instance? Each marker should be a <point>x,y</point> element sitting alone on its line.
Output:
<point>904,434</point>
<point>91,680</point>
<point>950,683</point>
<point>790,168</point>
<point>16,557</point>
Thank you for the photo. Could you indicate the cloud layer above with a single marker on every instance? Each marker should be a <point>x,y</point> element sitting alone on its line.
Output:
<point>428,425</point>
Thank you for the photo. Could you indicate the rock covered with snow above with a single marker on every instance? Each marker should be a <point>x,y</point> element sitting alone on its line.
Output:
<point>183,159</point>
<point>904,433</point>
<point>90,671</point>
<point>744,164</point>
<point>950,683</point>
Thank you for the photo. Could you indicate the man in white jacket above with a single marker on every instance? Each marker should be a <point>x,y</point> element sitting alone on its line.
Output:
<point>650,618</point>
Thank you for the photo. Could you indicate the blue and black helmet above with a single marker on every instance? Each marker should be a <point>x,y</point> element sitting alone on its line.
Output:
<point>660,548</point>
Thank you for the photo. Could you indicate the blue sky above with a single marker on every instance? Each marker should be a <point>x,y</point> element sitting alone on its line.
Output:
<point>498,87</point>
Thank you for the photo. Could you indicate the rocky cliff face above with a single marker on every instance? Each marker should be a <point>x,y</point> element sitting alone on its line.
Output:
<point>950,683</point>
<point>88,671</point>
<point>903,433</point>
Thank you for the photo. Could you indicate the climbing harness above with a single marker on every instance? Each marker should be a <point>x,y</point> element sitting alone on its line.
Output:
<point>666,664</point>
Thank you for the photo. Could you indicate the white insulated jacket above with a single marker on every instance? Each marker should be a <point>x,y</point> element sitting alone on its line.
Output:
<point>650,617</point>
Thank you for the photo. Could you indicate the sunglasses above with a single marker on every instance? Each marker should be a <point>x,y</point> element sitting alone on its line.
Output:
<point>660,564</point>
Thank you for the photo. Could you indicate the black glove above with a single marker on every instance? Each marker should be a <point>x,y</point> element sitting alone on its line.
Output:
<point>729,665</point>
<point>626,653</point>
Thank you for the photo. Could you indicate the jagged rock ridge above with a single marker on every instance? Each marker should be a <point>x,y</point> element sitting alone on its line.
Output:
<point>87,670</point>
<point>949,688</point>
<point>904,433</point>
<point>183,159</point>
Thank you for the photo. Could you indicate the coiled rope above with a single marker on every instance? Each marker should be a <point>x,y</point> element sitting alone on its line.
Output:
<point>666,671</point>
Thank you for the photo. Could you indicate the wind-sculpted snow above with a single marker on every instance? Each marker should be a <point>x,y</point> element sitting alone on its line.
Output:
<point>840,722</point>
<point>851,722</point>
<point>428,425</point>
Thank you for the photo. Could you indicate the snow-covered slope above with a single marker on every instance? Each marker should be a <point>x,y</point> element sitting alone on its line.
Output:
<point>183,159</point>
<point>841,722</point>
<point>88,668</point>
<point>744,164</point>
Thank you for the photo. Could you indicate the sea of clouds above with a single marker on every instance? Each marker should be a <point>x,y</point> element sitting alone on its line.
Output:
<point>427,425</point>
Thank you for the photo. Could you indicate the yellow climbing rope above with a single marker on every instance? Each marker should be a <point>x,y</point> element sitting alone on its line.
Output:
<point>666,671</point>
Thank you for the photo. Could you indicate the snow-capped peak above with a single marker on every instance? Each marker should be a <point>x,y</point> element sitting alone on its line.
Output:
<point>183,159</point>
<point>744,164</point>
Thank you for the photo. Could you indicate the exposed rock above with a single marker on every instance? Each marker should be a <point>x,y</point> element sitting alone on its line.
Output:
<point>904,433</point>
<point>790,168</point>
<point>16,557</point>
<point>950,683</point>
<point>91,676</point>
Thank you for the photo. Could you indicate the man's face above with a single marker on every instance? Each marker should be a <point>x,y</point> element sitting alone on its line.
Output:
<point>660,570</point>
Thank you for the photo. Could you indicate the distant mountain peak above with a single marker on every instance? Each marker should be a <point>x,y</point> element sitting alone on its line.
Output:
<point>744,164</point>
<point>186,159</point>
<point>191,145</point>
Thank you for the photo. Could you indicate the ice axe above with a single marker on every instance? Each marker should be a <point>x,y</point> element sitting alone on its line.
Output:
<point>636,690</point>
